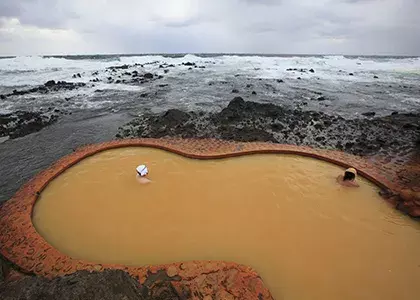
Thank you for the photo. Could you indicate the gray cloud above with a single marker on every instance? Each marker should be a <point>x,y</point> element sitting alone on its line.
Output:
<point>269,26</point>
<point>262,2</point>
<point>40,13</point>
<point>357,1</point>
<point>10,8</point>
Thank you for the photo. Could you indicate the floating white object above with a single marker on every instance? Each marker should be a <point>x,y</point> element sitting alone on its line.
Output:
<point>142,170</point>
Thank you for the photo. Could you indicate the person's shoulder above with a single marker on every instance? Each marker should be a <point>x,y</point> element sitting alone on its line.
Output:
<point>346,183</point>
<point>350,184</point>
<point>143,180</point>
<point>355,184</point>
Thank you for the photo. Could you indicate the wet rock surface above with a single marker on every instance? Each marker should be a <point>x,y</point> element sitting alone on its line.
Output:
<point>119,75</point>
<point>24,157</point>
<point>190,280</point>
<point>250,121</point>
<point>81,285</point>
<point>22,123</point>
<point>2,270</point>
<point>49,86</point>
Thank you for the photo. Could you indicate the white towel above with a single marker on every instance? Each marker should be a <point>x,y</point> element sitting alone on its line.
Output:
<point>142,170</point>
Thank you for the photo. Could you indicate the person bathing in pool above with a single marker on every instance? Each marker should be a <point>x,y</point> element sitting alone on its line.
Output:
<point>142,172</point>
<point>349,178</point>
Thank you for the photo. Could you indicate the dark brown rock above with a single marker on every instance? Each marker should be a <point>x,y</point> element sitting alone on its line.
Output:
<point>246,134</point>
<point>369,114</point>
<point>22,123</point>
<point>123,67</point>
<point>174,117</point>
<point>276,127</point>
<point>83,285</point>
<point>50,83</point>
<point>2,270</point>
<point>363,136</point>
<point>410,126</point>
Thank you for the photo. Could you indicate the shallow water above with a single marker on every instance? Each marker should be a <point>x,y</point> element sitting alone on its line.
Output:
<point>284,215</point>
<point>23,158</point>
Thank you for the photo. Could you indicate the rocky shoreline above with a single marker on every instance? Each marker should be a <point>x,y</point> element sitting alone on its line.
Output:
<point>49,86</point>
<point>85,285</point>
<point>21,123</point>
<point>395,135</point>
<point>394,138</point>
<point>182,281</point>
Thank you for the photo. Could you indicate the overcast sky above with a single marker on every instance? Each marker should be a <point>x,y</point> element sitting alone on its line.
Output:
<point>29,27</point>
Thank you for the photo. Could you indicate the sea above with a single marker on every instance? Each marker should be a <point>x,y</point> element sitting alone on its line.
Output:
<point>348,86</point>
<point>396,87</point>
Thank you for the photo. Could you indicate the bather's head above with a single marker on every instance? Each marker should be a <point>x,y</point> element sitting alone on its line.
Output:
<point>350,175</point>
<point>142,170</point>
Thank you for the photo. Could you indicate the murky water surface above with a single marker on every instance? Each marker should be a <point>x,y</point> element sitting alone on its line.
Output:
<point>286,216</point>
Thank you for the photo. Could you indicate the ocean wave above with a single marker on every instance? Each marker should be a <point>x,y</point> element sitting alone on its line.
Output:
<point>32,70</point>
<point>14,72</point>
<point>334,57</point>
<point>85,57</point>
<point>7,57</point>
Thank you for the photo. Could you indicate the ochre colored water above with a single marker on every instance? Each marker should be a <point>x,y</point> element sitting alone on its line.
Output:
<point>308,237</point>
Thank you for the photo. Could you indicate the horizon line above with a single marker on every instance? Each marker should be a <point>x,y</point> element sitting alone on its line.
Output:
<point>205,53</point>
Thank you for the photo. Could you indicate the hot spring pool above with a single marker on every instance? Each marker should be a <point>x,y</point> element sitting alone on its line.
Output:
<point>283,215</point>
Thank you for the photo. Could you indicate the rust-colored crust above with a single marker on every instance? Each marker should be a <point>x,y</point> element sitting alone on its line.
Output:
<point>22,245</point>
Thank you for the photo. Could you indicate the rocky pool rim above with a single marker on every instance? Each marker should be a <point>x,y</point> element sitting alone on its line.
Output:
<point>23,246</point>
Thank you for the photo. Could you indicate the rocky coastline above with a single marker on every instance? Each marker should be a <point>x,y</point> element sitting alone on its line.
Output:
<point>245,121</point>
<point>182,281</point>
<point>394,138</point>
<point>23,122</point>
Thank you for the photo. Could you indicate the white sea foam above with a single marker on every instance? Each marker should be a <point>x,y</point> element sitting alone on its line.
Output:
<point>332,72</point>
<point>34,70</point>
